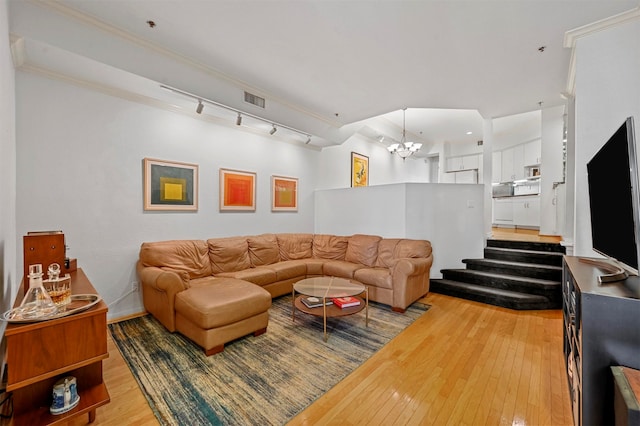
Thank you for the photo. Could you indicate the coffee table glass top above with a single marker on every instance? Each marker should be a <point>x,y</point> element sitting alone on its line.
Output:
<point>328,287</point>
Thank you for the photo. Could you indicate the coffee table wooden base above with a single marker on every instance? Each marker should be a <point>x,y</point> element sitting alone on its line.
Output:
<point>330,311</point>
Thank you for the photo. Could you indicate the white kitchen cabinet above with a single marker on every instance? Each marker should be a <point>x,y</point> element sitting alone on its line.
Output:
<point>533,153</point>
<point>526,211</point>
<point>513,163</point>
<point>463,162</point>
<point>503,211</point>
<point>496,166</point>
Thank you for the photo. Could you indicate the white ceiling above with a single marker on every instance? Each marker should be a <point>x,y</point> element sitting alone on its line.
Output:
<point>347,61</point>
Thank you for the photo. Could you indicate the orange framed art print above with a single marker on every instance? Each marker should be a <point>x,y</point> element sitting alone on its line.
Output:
<point>237,190</point>
<point>170,185</point>
<point>284,194</point>
<point>359,170</point>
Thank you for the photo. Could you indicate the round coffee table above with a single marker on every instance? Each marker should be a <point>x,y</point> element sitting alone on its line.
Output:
<point>325,288</point>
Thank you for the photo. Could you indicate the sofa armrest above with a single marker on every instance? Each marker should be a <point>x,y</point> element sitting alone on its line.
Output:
<point>159,288</point>
<point>410,277</point>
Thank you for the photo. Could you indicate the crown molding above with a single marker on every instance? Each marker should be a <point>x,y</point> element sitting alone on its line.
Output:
<point>175,56</point>
<point>18,52</point>
<point>571,37</point>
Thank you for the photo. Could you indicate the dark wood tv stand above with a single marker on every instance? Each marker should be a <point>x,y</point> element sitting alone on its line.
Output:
<point>40,353</point>
<point>601,329</point>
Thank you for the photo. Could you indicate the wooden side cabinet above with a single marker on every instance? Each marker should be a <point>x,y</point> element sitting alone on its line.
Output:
<point>601,329</point>
<point>40,353</point>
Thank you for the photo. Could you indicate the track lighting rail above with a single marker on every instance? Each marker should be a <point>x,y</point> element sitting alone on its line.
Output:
<point>201,100</point>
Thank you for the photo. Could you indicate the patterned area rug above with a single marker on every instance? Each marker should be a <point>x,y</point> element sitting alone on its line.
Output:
<point>264,380</point>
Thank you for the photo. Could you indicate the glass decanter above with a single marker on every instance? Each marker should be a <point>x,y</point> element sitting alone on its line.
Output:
<point>59,288</point>
<point>36,303</point>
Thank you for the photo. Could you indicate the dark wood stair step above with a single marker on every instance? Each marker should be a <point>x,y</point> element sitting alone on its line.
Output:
<point>545,272</point>
<point>493,296</point>
<point>492,279</point>
<point>527,245</point>
<point>525,256</point>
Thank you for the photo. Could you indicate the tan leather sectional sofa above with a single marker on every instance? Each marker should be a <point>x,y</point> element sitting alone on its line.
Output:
<point>217,290</point>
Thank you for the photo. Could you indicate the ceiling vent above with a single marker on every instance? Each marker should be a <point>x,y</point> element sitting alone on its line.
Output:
<point>254,99</point>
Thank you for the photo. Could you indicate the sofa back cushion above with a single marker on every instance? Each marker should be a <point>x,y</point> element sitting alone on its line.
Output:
<point>190,256</point>
<point>363,249</point>
<point>386,251</point>
<point>295,246</point>
<point>412,248</point>
<point>263,249</point>
<point>329,247</point>
<point>228,254</point>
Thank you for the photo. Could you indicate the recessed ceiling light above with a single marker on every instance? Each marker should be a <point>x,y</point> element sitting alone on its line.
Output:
<point>469,133</point>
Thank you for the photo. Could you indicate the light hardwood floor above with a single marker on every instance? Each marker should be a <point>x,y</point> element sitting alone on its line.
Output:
<point>462,363</point>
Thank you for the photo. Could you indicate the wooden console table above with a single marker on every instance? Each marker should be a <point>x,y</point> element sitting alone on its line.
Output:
<point>40,353</point>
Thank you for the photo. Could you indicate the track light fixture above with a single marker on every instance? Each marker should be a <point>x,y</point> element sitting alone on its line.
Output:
<point>202,101</point>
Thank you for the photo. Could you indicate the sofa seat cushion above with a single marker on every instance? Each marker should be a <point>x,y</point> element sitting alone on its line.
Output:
<point>315,266</point>
<point>225,302</point>
<point>378,277</point>
<point>288,269</point>
<point>260,276</point>
<point>340,268</point>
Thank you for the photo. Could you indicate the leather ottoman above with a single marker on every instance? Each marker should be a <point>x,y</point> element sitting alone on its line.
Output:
<point>226,310</point>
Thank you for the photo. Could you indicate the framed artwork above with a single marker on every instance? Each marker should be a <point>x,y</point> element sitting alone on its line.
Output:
<point>359,170</point>
<point>284,194</point>
<point>170,185</point>
<point>237,190</point>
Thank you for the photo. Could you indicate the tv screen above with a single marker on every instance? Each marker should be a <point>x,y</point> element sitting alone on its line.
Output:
<point>613,198</point>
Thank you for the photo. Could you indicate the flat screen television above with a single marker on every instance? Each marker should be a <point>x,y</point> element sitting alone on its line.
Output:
<point>614,201</point>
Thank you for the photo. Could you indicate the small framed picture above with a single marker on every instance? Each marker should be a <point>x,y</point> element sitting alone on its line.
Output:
<point>170,185</point>
<point>284,194</point>
<point>359,170</point>
<point>237,190</point>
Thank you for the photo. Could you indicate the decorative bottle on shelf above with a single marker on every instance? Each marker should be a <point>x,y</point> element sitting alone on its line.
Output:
<point>36,303</point>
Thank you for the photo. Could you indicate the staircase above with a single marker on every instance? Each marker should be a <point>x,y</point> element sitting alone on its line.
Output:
<point>513,274</point>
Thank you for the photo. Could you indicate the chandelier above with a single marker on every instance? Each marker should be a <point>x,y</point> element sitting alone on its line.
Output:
<point>404,149</point>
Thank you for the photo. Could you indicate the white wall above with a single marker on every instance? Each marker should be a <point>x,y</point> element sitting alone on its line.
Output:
<point>9,279</point>
<point>551,205</point>
<point>79,162</point>
<point>384,168</point>
<point>607,92</point>
<point>448,215</point>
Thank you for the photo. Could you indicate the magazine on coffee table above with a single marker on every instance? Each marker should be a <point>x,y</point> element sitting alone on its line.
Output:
<point>315,302</point>
<point>346,302</point>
